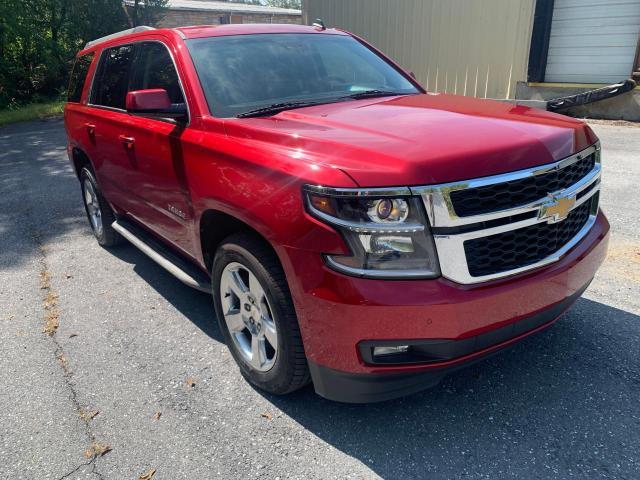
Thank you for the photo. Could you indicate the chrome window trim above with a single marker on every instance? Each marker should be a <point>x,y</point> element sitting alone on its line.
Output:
<point>105,107</point>
<point>120,110</point>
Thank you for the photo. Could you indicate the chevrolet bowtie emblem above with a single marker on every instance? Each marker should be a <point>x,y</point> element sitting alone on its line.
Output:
<point>556,208</point>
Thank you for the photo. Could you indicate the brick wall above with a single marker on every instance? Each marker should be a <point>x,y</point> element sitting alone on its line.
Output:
<point>178,18</point>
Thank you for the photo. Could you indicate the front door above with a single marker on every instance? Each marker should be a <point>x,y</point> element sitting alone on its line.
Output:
<point>156,164</point>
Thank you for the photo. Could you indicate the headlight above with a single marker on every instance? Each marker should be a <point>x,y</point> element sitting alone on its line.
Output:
<point>386,231</point>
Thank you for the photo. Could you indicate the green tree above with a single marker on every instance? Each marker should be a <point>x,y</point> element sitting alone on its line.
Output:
<point>39,40</point>
<point>285,3</point>
<point>145,12</point>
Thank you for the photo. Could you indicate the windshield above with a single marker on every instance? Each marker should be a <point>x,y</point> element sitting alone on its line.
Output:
<point>243,73</point>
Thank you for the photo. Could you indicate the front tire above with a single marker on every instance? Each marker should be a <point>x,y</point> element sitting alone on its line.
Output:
<point>256,315</point>
<point>99,212</point>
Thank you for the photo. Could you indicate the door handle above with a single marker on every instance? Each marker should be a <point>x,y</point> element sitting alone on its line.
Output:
<point>127,141</point>
<point>91,128</point>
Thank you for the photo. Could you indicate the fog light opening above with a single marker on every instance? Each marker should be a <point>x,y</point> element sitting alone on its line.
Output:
<point>390,350</point>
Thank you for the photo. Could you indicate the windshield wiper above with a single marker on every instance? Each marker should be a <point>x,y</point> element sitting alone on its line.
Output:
<point>280,107</point>
<point>277,108</point>
<point>373,93</point>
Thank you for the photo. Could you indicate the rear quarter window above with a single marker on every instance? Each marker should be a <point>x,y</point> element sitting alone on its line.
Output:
<point>78,77</point>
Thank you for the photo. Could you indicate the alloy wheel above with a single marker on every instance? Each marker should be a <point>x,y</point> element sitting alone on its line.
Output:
<point>93,206</point>
<point>249,316</point>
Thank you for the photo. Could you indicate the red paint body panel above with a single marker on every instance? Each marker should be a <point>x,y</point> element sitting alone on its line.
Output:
<point>349,310</point>
<point>421,139</point>
<point>254,170</point>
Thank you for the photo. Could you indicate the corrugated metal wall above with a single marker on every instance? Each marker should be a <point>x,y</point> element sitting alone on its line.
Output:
<point>467,47</point>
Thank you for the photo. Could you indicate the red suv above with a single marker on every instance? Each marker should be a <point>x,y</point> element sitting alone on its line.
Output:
<point>354,229</point>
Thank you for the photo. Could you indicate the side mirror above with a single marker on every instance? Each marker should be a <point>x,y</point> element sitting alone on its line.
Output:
<point>155,102</point>
<point>412,75</point>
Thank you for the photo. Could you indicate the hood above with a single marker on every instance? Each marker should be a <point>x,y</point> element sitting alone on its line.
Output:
<point>419,139</point>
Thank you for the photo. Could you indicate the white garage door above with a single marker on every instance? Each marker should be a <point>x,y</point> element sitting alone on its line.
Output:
<point>593,41</point>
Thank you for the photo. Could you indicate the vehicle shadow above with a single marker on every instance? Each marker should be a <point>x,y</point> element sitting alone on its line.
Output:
<point>193,304</point>
<point>563,402</point>
<point>36,182</point>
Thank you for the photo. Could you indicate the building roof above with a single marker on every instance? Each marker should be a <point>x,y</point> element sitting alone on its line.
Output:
<point>227,7</point>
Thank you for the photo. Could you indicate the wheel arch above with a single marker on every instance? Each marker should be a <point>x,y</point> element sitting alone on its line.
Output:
<point>80,160</point>
<point>216,225</point>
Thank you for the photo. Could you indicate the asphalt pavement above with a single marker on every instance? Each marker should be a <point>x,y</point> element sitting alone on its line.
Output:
<point>136,379</point>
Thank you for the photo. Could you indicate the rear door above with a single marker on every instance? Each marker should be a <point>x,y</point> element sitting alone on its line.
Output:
<point>112,156</point>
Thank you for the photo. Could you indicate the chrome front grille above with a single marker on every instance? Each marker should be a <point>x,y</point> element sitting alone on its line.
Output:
<point>499,196</point>
<point>497,226</point>
<point>525,246</point>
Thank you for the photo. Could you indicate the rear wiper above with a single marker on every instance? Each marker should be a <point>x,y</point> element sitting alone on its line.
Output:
<point>373,93</point>
<point>277,108</point>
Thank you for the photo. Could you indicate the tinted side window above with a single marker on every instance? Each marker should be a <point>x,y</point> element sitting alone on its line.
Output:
<point>78,77</point>
<point>113,79</point>
<point>155,69</point>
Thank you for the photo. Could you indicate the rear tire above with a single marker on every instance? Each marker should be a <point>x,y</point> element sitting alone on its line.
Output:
<point>99,212</point>
<point>255,311</point>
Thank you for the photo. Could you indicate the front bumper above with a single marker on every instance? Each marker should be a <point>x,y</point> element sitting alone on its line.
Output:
<point>337,314</point>
<point>365,388</point>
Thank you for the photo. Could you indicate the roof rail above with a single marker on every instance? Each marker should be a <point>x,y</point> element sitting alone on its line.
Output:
<point>141,28</point>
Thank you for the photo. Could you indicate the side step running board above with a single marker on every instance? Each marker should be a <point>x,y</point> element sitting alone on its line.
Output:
<point>176,266</point>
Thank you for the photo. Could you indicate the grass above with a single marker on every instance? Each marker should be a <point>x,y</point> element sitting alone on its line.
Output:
<point>33,111</point>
